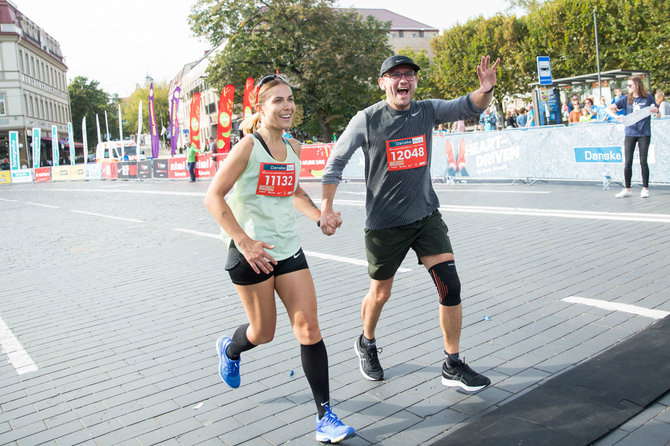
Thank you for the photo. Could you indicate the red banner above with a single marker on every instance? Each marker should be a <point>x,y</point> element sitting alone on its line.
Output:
<point>110,171</point>
<point>42,174</point>
<point>194,123</point>
<point>205,167</point>
<point>313,158</point>
<point>177,168</point>
<point>225,123</point>
<point>247,98</point>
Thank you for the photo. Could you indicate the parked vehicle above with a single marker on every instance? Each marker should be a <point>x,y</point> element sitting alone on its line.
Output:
<point>125,150</point>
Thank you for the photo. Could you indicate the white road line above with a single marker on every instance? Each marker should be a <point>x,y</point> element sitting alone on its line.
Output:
<point>133,220</point>
<point>309,253</point>
<point>491,191</point>
<point>16,355</point>
<point>130,191</point>
<point>588,215</point>
<point>614,306</point>
<point>42,205</point>
<point>5,199</point>
<point>202,234</point>
<point>347,260</point>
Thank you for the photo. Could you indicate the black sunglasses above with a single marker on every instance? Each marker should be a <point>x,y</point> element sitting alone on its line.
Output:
<point>271,77</point>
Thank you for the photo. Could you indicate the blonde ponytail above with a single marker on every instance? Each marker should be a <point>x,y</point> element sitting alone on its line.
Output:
<point>251,123</point>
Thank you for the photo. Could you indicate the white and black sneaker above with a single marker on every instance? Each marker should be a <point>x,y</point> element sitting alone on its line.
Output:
<point>369,363</point>
<point>463,376</point>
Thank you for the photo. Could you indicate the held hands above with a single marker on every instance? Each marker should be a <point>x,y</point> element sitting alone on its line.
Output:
<point>487,73</point>
<point>254,252</point>
<point>330,221</point>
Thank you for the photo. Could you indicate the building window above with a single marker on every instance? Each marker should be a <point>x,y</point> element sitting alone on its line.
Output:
<point>401,34</point>
<point>2,105</point>
<point>420,33</point>
<point>413,35</point>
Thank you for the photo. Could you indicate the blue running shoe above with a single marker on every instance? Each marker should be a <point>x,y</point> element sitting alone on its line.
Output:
<point>229,370</point>
<point>329,429</point>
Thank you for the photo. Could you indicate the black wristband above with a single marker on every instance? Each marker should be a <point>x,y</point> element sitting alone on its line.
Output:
<point>489,90</point>
<point>318,223</point>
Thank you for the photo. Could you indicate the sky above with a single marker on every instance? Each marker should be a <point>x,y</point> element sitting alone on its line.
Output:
<point>119,43</point>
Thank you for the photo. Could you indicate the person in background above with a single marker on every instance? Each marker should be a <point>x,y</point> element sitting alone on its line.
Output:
<point>617,95</point>
<point>576,113</point>
<point>402,208</point>
<point>637,133</point>
<point>603,112</point>
<point>212,149</point>
<point>663,106</point>
<point>588,106</point>
<point>530,119</point>
<point>487,120</point>
<point>510,119</point>
<point>191,156</point>
<point>264,253</point>
<point>522,119</point>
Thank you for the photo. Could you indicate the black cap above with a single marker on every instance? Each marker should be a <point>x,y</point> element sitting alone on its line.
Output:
<point>396,60</point>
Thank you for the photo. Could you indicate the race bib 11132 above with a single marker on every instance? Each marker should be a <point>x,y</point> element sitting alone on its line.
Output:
<point>276,180</point>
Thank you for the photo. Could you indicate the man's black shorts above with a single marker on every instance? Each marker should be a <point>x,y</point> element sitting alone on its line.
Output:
<point>386,248</point>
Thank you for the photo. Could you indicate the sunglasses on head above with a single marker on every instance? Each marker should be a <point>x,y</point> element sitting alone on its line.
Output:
<point>270,78</point>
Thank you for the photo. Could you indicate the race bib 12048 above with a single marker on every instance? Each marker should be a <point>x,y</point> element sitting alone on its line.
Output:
<point>408,153</point>
<point>277,180</point>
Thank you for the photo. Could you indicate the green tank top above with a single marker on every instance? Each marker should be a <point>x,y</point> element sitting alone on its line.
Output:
<point>262,200</point>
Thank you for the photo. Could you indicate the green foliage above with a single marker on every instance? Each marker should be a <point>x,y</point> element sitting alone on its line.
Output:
<point>130,108</point>
<point>87,99</point>
<point>330,56</point>
<point>458,51</point>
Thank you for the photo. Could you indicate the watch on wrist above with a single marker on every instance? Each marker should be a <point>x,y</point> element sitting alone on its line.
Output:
<point>318,223</point>
<point>489,90</point>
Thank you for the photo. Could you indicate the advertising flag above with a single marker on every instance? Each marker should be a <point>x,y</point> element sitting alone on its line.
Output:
<point>54,145</point>
<point>37,151</point>
<point>225,122</point>
<point>97,127</point>
<point>139,129</point>
<point>247,100</point>
<point>155,139</point>
<point>14,150</point>
<point>174,120</point>
<point>84,139</point>
<point>70,138</point>
<point>107,135</point>
<point>195,120</point>
<point>120,125</point>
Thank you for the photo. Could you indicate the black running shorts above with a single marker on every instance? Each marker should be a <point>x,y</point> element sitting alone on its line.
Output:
<point>241,272</point>
<point>386,248</point>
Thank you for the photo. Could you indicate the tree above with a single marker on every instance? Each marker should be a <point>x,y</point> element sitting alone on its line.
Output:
<point>330,56</point>
<point>459,50</point>
<point>131,105</point>
<point>87,99</point>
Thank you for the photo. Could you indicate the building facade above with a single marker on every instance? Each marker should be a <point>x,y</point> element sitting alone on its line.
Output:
<point>33,84</point>
<point>404,32</point>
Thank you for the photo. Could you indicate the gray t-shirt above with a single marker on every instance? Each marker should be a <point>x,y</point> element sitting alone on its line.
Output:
<point>397,146</point>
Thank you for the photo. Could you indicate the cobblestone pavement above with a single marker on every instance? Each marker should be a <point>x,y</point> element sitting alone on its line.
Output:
<point>112,295</point>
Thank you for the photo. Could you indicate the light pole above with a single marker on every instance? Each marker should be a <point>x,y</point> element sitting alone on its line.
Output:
<point>595,29</point>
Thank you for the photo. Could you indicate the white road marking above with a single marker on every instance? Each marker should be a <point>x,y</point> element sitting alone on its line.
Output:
<point>346,260</point>
<point>5,199</point>
<point>42,205</point>
<point>588,215</point>
<point>202,234</point>
<point>132,220</point>
<point>16,355</point>
<point>614,306</point>
<point>309,253</point>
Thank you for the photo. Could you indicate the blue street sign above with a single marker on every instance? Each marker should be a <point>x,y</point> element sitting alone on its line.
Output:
<point>544,70</point>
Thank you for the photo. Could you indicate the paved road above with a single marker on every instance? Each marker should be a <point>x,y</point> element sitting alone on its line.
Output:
<point>112,295</point>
